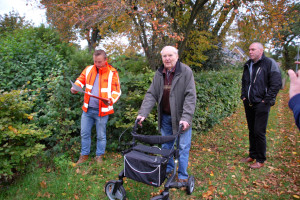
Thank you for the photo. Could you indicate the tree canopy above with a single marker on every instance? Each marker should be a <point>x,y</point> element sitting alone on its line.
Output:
<point>12,21</point>
<point>193,26</point>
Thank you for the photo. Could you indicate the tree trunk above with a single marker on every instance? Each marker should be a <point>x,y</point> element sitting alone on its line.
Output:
<point>196,9</point>
<point>93,39</point>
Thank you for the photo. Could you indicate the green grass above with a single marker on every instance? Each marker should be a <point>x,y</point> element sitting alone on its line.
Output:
<point>214,161</point>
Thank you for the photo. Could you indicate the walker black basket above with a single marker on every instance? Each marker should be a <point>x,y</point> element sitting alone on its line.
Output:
<point>149,169</point>
<point>147,164</point>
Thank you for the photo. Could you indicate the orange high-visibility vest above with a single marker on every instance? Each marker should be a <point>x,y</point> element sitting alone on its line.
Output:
<point>109,86</point>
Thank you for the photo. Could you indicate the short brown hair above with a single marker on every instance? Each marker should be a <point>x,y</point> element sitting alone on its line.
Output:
<point>99,52</point>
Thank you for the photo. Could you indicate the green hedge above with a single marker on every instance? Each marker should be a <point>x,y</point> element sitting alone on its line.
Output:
<point>217,97</point>
<point>20,138</point>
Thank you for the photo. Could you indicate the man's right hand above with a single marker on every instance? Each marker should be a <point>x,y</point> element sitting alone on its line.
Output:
<point>73,90</point>
<point>295,82</point>
<point>141,119</point>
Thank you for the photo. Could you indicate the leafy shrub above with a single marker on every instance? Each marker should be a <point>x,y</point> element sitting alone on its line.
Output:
<point>12,21</point>
<point>19,138</point>
<point>28,57</point>
<point>35,58</point>
<point>134,87</point>
<point>217,97</point>
<point>135,64</point>
<point>61,113</point>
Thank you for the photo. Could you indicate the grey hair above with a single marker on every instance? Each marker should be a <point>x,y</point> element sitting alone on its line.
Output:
<point>259,45</point>
<point>170,47</point>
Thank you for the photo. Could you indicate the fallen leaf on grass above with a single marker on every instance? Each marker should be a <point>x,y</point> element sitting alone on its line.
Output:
<point>46,194</point>
<point>43,184</point>
<point>256,183</point>
<point>271,168</point>
<point>209,193</point>
<point>153,194</point>
<point>39,194</point>
<point>296,196</point>
<point>265,185</point>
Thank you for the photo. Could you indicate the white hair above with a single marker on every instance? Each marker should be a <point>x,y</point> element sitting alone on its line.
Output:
<point>171,48</point>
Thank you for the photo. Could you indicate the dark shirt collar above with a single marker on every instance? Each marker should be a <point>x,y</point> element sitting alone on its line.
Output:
<point>177,68</point>
<point>172,70</point>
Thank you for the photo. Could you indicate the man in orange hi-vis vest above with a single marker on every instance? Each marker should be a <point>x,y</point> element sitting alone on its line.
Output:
<point>100,80</point>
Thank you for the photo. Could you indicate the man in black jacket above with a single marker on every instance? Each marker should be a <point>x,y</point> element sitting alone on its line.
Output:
<point>261,82</point>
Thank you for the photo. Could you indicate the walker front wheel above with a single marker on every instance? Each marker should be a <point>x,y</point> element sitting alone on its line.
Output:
<point>119,194</point>
<point>190,185</point>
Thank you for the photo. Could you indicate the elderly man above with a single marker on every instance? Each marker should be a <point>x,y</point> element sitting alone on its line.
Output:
<point>173,89</point>
<point>100,80</point>
<point>261,82</point>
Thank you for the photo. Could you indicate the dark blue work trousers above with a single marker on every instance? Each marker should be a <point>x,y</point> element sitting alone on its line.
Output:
<point>257,118</point>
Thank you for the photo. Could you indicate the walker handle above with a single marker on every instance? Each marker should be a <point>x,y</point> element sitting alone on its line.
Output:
<point>180,128</point>
<point>135,125</point>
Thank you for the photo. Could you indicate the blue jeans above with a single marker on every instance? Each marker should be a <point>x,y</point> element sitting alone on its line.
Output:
<point>88,119</point>
<point>184,147</point>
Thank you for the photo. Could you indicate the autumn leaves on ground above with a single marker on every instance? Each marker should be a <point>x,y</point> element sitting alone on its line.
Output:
<point>214,162</point>
<point>215,159</point>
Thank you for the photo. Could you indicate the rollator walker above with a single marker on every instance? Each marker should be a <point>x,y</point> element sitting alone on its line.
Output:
<point>146,163</point>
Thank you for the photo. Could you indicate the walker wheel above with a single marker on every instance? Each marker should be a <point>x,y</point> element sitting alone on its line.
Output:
<point>190,185</point>
<point>120,193</point>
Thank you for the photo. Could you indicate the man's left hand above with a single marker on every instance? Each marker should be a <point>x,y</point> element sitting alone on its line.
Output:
<point>185,125</point>
<point>107,102</point>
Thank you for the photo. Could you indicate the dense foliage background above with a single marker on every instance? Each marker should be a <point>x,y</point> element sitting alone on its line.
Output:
<point>39,115</point>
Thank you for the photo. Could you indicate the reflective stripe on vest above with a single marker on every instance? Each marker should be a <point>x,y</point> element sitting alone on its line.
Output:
<point>88,71</point>
<point>89,86</point>
<point>77,81</point>
<point>103,109</point>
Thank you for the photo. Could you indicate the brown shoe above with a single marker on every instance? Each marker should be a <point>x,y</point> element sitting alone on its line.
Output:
<point>257,165</point>
<point>99,159</point>
<point>182,180</point>
<point>82,159</point>
<point>246,160</point>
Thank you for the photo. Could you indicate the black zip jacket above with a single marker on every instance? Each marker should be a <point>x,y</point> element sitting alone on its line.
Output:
<point>264,83</point>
